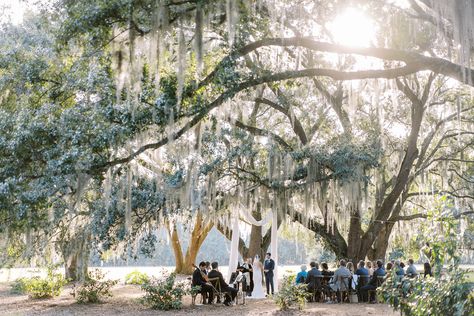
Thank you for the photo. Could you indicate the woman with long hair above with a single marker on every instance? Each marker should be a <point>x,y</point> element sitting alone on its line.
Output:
<point>257,278</point>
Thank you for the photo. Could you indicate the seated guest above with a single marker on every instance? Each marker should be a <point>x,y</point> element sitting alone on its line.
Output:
<point>361,270</point>
<point>389,266</point>
<point>398,269</point>
<point>402,265</point>
<point>363,278</point>
<point>427,269</point>
<point>326,271</point>
<point>200,279</point>
<point>411,270</point>
<point>301,276</point>
<point>341,277</point>
<point>374,281</point>
<point>350,267</point>
<point>313,278</point>
<point>231,293</point>
<point>327,275</point>
<point>368,264</point>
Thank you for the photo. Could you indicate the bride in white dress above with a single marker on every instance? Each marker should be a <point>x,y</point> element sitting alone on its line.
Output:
<point>257,279</point>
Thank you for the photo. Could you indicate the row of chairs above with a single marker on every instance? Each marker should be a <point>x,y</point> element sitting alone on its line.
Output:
<point>219,294</point>
<point>344,289</point>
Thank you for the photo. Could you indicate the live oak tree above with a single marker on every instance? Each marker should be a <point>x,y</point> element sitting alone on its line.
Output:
<point>147,74</point>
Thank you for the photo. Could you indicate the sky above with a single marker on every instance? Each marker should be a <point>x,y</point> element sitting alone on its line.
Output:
<point>12,10</point>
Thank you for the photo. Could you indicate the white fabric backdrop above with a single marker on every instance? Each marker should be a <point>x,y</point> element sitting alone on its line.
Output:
<point>272,216</point>
<point>234,245</point>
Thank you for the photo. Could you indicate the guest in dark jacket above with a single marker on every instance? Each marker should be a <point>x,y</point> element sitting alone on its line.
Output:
<point>313,279</point>
<point>374,281</point>
<point>231,292</point>
<point>362,279</point>
<point>199,279</point>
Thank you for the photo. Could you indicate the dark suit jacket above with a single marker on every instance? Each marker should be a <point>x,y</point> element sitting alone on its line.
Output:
<point>374,280</point>
<point>314,278</point>
<point>197,278</point>
<point>269,265</point>
<point>216,274</point>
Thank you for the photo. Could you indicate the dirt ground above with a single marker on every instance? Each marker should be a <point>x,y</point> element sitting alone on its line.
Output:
<point>125,302</point>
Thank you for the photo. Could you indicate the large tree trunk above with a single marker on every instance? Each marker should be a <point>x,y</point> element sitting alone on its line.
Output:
<point>354,240</point>
<point>258,243</point>
<point>255,244</point>
<point>175,245</point>
<point>198,235</point>
<point>381,243</point>
<point>75,253</point>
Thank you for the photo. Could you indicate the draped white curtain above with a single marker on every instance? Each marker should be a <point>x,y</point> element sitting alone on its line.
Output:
<point>234,245</point>
<point>274,247</point>
<point>272,217</point>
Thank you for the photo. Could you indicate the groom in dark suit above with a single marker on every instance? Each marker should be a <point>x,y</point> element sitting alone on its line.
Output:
<point>268,267</point>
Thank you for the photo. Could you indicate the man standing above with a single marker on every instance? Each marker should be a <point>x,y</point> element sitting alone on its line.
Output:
<point>268,268</point>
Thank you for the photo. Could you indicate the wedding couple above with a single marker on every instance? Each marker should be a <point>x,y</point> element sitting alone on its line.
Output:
<point>257,277</point>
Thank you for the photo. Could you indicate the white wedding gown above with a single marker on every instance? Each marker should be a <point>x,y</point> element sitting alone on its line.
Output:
<point>257,283</point>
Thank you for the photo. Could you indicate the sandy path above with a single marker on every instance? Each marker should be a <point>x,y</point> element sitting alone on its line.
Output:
<point>125,302</point>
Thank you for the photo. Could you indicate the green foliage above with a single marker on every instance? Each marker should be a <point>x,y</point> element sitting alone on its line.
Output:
<point>194,290</point>
<point>94,288</point>
<point>48,287</point>
<point>137,278</point>
<point>448,292</point>
<point>165,293</point>
<point>291,294</point>
<point>19,286</point>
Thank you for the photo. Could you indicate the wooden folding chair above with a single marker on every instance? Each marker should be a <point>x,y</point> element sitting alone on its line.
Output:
<point>380,280</point>
<point>216,288</point>
<point>344,288</point>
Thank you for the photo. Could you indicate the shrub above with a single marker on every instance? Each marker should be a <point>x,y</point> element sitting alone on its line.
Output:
<point>446,293</point>
<point>291,294</point>
<point>165,293</point>
<point>19,286</point>
<point>137,278</point>
<point>48,287</point>
<point>94,289</point>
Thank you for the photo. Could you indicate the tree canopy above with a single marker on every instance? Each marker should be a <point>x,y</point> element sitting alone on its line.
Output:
<point>120,115</point>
